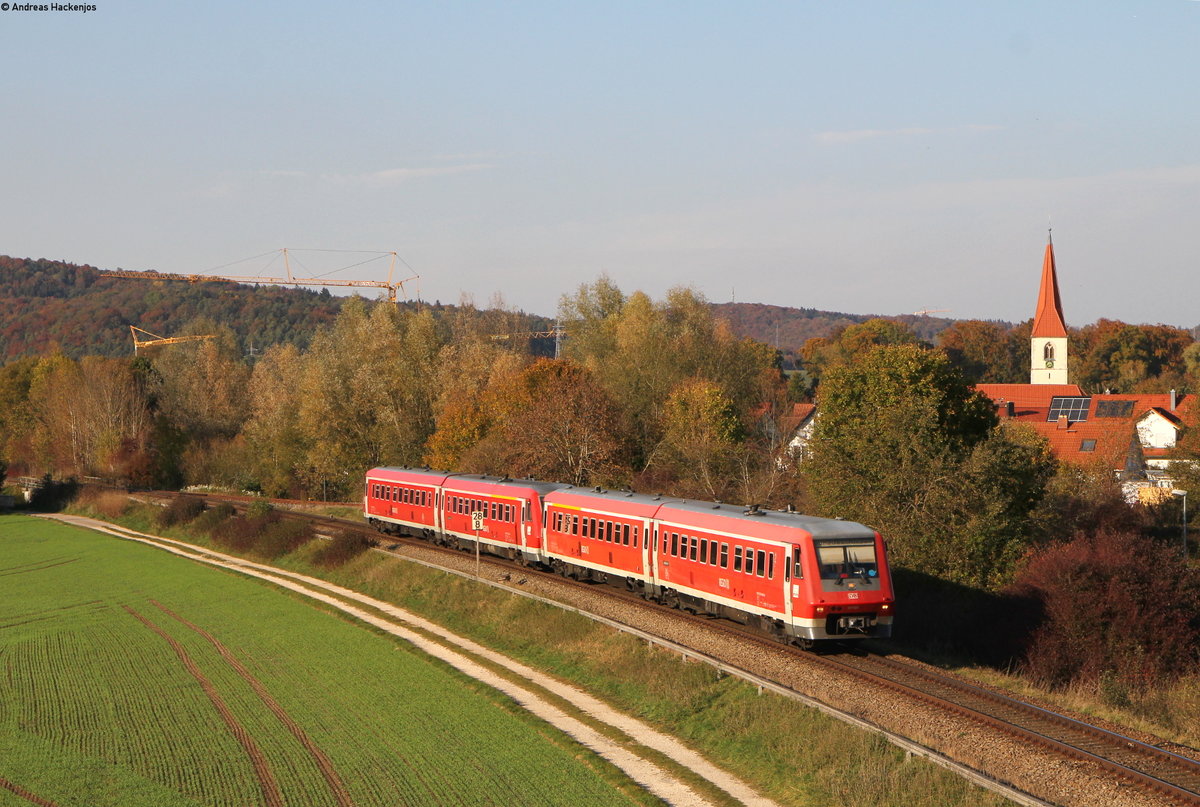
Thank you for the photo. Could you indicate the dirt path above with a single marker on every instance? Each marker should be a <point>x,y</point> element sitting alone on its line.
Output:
<point>649,775</point>
<point>266,779</point>
<point>336,787</point>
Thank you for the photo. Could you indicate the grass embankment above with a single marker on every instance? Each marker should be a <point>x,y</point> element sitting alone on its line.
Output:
<point>115,695</point>
<point>793,754</point>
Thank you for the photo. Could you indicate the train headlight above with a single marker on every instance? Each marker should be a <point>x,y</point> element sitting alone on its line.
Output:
<point>820,609</point>
<point>885,607</point>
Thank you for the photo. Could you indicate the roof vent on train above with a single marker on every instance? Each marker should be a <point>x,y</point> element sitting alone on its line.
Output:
<point>717,504</point>
<point>754,510</point>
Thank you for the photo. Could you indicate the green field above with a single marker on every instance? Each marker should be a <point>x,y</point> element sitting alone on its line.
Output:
<point>98,707</point>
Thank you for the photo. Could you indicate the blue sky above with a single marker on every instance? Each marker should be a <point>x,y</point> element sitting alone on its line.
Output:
<point>866,157</point>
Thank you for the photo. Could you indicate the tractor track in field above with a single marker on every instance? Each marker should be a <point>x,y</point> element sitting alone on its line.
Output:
<point>21,792</point>
<point>272,795</point>
<point>336,787</point>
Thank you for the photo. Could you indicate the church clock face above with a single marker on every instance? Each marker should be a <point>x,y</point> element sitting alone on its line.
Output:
<point>1049,364</point>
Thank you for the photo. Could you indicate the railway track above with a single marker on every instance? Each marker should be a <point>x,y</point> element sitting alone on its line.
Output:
<point>1147,768</point>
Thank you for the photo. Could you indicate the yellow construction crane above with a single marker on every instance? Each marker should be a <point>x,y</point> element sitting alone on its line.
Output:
<point>161,340</point>
<point>391,285</point>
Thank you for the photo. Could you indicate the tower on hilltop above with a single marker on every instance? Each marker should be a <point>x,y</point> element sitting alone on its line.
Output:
<point>1048,341</point>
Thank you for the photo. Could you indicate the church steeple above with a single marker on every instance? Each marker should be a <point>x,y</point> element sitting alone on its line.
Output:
<point>1048,340</point>
<point>1048,321</point>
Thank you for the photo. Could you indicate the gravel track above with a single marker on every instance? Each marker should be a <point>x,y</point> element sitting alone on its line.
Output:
<point>1045,776</point>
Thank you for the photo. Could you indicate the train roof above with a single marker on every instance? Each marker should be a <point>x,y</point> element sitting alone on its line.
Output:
<point>474,482</point>
<point>700,513</point>
<point>477,481</point>
<point>814,525</point>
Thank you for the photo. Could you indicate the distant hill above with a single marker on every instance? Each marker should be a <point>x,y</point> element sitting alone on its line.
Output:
<point>45,302</point>
<point>789,328</point>
<point>84,311</point>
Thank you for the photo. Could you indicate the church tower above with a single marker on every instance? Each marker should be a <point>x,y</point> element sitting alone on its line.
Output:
<point>1048,342</point>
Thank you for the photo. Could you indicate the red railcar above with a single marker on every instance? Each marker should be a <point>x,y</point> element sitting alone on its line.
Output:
<point>799,577</point>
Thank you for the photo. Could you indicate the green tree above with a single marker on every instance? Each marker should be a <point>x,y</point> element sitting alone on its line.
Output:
<point>702,435</point>
<point>904,444</point>
<point>367,394</point>
<point>849,343</point>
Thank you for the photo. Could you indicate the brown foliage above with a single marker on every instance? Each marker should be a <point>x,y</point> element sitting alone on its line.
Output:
<point>342,548</point>
<point>181,510</point>
<point>1116,606</point>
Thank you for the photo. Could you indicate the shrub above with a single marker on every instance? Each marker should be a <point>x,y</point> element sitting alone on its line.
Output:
<point>181,510</point>
<point>259,508</point>
<point>1119,611</point>
<point>342,548</point>
<point>284,536</point>
<point>210,520</point>
<point>237,534</point>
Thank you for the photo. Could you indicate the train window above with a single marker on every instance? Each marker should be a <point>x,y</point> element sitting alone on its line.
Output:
<point>724,556</point>
<point>737,558</point>
<point>762,566</point>
<point>625,535</point>
<point>605,532</point>
<point>712,552</point>
<point>674,543</point>
<point>749,561</point>
<point>703,550</point>
<point>771,566</point>
<point>525,511</point>
<point>635,536</point>
<point>692,556</point>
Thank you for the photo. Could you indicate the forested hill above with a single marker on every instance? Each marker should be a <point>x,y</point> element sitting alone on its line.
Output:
<point>46,302</point>
<point>85,312</point>
<point>789,328</point>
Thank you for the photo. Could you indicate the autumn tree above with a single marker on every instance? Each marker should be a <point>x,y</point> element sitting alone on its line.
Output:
<point>89,417</point>
<point>702,435</point>
<point>905,445</point>
<point>366,394</point>
<point>985,352</point>
<point>273,430</point>
<point>850,342</point>
<point>1130,358</point>
<point>641,351</point>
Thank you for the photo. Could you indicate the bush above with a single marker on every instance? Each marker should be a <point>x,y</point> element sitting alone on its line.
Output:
<point>210,520</point>
<point>237,534</point>
<point>1119,611</point>
<point>53,495</point>
<point>284,536</point>
<point>181,510</point>
<point>259,508</point>
<point>344,547</point>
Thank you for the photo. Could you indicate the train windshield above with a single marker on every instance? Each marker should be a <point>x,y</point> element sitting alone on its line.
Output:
<point>847,561</point>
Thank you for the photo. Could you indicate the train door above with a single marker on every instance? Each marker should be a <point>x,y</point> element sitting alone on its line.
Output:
<point>798,598</point>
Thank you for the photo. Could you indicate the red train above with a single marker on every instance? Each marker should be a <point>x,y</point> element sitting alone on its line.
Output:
<point>801,578</point>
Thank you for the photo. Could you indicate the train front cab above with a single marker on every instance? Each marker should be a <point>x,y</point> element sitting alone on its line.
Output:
<point>841,587</point>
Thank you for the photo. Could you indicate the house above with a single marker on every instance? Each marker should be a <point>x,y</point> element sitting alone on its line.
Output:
<point>1132,434</point>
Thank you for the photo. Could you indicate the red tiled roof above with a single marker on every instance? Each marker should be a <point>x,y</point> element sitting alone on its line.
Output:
<point>1112,435</point>
<point>1048,321</point>
<point>1029,399</point>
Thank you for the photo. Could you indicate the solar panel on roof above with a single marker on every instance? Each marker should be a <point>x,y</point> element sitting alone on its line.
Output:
<point>1114,409</point>
<point>1076,409</point>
